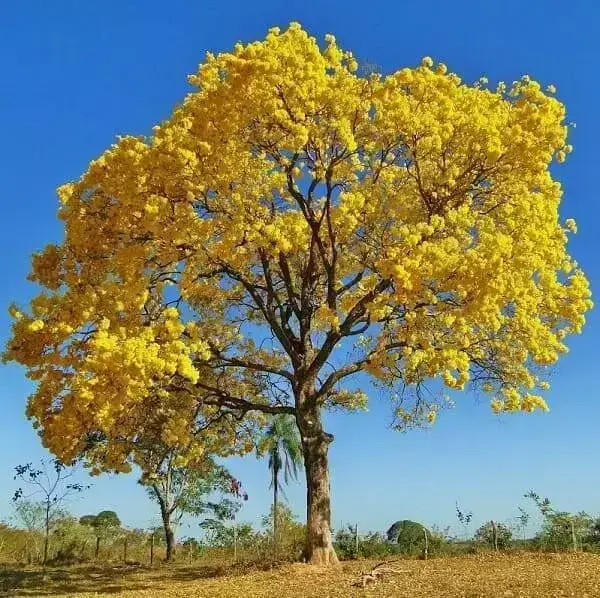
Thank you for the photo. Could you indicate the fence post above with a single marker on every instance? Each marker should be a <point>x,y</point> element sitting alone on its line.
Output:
<point>495,535</point>
<point>356,540</point>
<point>152,548</point>
<point>573,536</point>
<point>426,551</point>
<point>125,550</point>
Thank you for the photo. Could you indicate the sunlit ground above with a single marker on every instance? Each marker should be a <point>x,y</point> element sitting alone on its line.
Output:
<point>492,576</point>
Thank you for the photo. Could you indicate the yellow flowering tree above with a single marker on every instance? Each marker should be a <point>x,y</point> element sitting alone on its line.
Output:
<point>293,224</point>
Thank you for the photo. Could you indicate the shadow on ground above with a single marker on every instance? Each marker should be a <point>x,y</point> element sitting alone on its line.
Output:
<point>96,578</point>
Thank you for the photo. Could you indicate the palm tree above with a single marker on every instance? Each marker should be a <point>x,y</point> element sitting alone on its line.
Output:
<point>281,442</point>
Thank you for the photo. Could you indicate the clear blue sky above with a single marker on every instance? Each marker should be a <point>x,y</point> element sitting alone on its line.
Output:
<point>75,74</point>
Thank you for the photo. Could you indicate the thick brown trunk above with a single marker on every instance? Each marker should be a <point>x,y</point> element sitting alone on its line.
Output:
<point>319,548</point>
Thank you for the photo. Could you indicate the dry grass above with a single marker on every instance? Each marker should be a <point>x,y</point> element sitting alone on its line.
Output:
<point>490,576</point>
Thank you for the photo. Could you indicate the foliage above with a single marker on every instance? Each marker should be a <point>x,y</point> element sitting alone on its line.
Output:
<point>281,442</point>
<point>522,521</point>
<point>561,530</point>
<point>221,528</point>
<point>222,535</point>
<point>288,216</point>
<point>409,535</point>
<point>186,489</point>
<point>179,489</point>
<point>104,523</point>
<point>464,518</point>
<point>50,483</point>
<point>23,545</point>
<point>370,544</point>
<point>485,534</point>
<point>32,514</point>
<point>192,547</point>
<point>402,538</point>
<point>291,533</point>
<point>593,535</point>
<point>71,539</point>
<point>250,544</point>
<point>72,542</point>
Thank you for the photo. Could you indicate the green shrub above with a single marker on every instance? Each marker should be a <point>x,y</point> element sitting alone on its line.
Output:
<point>485,535</point>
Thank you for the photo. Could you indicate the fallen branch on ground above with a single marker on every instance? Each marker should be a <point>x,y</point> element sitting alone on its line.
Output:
<point>378,571</point>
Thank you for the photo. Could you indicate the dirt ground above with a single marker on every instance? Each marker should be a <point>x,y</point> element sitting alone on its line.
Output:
<point>493,576</point>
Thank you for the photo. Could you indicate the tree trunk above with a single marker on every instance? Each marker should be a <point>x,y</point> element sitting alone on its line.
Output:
<point>170,539</point>
<point>319,548</point>
<point>165,514</point>
<point>275,507</point>
<point>46,533</point>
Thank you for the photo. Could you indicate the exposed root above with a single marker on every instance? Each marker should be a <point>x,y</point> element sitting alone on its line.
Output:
<point>323,557</point>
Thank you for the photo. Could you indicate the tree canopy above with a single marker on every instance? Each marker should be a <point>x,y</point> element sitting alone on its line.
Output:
<point>407,534</point>
<point>102,522</point>
<point>291,224</point>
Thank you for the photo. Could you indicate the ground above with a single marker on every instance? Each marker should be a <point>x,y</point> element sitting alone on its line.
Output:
<point>490,576</point>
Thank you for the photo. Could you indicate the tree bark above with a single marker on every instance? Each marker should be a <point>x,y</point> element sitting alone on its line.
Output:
<point>319,548</point>
<point>46,533</point>
<point>275,507</point>
<point>167,525</point>
<point>170,539</point>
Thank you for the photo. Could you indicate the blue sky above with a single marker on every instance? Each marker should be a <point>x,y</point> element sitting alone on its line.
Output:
<point>76,74</point>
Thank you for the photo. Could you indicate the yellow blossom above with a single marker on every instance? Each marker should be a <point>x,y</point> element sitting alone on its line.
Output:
<point>405,226</point>
<point>36,325</point>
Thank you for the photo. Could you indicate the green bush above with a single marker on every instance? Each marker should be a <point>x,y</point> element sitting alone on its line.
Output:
<point>485,535</point>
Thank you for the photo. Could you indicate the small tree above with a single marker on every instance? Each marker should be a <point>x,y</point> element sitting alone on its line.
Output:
<point>464,518</point>
<point>220,534</point>
<point>70,538</point>
<point>51,484</point>
<point>494,534</point>
<point>226,510</point>
<point>185,489</point>
<point>290,532</point>
<point>409,535</point>
<point>523,520</point>
<point>105,524</point>
<point>561,529</point>
<point>593,535</point>
<point>31,515</point>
